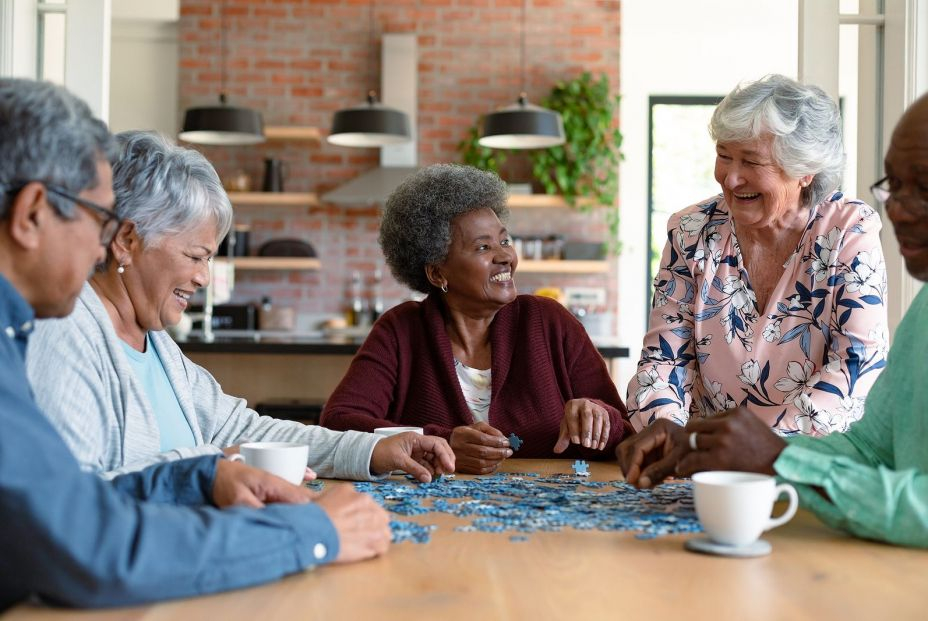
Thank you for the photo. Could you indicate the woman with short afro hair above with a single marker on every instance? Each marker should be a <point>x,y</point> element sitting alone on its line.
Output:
<point>474,361</point>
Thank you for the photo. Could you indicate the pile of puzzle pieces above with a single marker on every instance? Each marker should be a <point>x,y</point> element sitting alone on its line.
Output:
<point>525,503</point>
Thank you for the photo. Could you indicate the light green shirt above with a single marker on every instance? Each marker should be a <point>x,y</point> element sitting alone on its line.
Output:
<point>876,474</point>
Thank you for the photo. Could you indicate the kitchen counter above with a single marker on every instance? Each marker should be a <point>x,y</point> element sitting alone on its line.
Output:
<point>257,342</point>
<point>265,366</point>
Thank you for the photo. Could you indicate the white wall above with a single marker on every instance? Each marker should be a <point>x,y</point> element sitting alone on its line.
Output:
<point>681,47</point>
<point>144,66</point>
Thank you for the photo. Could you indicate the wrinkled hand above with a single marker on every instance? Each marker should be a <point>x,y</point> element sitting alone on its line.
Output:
<point>734,440</point>
<point>585,422</point>
<point>362,525</point>
<point>238,484</point>
<point>651,455</point>
<point>479,448</point>
<point>419,455</point>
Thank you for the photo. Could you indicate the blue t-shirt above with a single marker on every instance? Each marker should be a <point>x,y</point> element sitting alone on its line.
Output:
<point>173,425</point>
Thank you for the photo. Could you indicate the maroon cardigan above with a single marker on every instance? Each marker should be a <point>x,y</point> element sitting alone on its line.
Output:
<point>541,358</point>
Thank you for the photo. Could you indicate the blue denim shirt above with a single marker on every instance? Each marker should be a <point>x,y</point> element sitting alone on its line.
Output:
<point>73,539</point>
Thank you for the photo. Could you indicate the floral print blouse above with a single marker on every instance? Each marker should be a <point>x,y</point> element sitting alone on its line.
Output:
<point>803,364</point>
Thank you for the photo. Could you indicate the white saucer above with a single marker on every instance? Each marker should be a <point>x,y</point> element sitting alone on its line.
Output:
<point>704,545</point>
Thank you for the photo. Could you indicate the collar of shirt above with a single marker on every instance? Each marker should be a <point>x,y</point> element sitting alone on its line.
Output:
<point>17,318</point>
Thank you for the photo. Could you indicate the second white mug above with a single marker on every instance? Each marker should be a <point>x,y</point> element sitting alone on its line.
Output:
<point>734,507</point>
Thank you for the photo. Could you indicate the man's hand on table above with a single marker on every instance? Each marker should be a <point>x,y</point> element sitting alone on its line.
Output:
<point>733,440</point>
<point>419,455</point>
<point>652,454</point>
<point>479,448</point>
<point>585,423</point>
<point>238,484</point>
<point>362,525</point>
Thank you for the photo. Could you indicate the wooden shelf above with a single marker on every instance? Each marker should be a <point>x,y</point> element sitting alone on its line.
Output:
<point>530,201</point>
<point>299,199</point>
<point>275,263</point>
<point>294,133</point>
<point>562,267</point>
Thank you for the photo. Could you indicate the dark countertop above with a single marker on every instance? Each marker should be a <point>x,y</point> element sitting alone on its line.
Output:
<point>263,343</point>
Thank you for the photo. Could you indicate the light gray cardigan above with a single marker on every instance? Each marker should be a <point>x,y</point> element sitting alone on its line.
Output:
<point>84,383</point>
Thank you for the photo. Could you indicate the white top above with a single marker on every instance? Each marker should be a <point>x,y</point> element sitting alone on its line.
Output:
<point>476,384</point>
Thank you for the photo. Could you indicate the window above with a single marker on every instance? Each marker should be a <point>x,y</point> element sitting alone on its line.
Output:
<point>680,166</point>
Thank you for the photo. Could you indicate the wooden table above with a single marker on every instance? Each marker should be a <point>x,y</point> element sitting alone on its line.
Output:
<point>813,573</point>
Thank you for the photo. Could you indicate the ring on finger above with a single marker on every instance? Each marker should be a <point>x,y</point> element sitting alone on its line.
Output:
<point>693,445</point>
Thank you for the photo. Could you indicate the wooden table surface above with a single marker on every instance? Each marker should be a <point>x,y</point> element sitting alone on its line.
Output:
<point>813,573</point>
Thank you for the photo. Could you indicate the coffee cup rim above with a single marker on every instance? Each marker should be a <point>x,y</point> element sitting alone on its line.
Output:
<point>731,477</point>
<point>394,430</point>
<point>273,445</point>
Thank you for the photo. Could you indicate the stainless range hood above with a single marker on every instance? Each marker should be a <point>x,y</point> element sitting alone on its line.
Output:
<point>399,77</point>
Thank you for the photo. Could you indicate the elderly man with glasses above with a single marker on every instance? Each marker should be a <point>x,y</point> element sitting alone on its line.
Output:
<point>871,481</point>
<point>68,536</point>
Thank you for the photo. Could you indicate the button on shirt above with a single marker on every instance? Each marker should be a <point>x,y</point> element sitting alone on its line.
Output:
<point>74,539</point>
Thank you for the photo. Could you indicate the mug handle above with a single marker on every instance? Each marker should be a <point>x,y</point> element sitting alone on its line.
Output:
<point>238,457</point>
<point>789,490</point>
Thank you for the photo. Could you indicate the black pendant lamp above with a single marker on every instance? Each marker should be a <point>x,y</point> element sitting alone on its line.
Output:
<point>370,124</point>
<point>222,124</point>
<point>522,125</point>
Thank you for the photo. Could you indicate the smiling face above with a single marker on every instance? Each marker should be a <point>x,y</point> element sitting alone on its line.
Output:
<point>907,168</point>
<point>162,276</point>
<point>481,262</point>
<point>755,187</point>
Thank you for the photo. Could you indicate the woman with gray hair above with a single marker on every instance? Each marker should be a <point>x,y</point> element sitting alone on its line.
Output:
<point>771,295</point>
<point>116,385</point>
<point>474,362</point>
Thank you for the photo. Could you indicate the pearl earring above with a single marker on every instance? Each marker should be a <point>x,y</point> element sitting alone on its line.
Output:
<point>121,269</point>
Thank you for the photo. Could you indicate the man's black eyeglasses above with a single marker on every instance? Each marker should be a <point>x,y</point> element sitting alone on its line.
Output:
<point>110,222</point>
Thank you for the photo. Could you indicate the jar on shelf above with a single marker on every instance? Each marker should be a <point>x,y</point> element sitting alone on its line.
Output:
<point>552,247</point>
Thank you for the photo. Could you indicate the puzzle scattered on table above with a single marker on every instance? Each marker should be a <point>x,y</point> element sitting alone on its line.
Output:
<point>526,503</point>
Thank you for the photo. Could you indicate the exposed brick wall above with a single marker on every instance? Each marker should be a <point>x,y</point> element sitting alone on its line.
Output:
<point>299,61</point>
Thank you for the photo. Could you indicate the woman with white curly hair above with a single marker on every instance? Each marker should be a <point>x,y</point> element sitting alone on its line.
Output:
<point>770,295</point>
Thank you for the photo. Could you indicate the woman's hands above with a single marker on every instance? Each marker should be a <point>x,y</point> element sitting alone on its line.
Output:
<point>479,448</point>
<point>586,423</point>
<point>419,455</point>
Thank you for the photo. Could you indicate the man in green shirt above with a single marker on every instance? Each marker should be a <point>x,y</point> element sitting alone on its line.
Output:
<point>873,480</point>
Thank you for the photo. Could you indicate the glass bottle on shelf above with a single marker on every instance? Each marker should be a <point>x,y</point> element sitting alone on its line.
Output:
<point>355,311</point>
<point>376,295</point>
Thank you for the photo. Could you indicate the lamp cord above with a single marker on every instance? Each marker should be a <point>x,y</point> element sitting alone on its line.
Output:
<point>522,51</point>
<point>222,51</point>
<point>372,92</point>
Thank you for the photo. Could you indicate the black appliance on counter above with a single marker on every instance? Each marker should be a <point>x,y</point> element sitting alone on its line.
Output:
<point>230,317</point>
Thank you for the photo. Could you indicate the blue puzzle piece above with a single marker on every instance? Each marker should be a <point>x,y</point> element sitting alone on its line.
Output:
<point>581,468</point>
<point>515,442</point>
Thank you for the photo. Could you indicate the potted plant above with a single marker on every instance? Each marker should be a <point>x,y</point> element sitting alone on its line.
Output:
<point>584,170</point>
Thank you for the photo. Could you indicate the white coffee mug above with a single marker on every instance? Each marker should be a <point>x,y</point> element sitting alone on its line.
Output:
<point>392,431</point>
<point>285,459</point>
<point>734,507</point>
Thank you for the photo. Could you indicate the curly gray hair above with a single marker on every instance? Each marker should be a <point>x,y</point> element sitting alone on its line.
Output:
<point>165,189</point>
<point>47,134</point>
<point>416,226</point>
<point>804,121</point>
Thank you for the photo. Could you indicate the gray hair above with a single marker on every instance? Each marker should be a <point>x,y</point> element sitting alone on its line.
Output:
<point>165,189</point>
<point>804,121</point>
<point>47,134</point>
<point>416,226</point>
